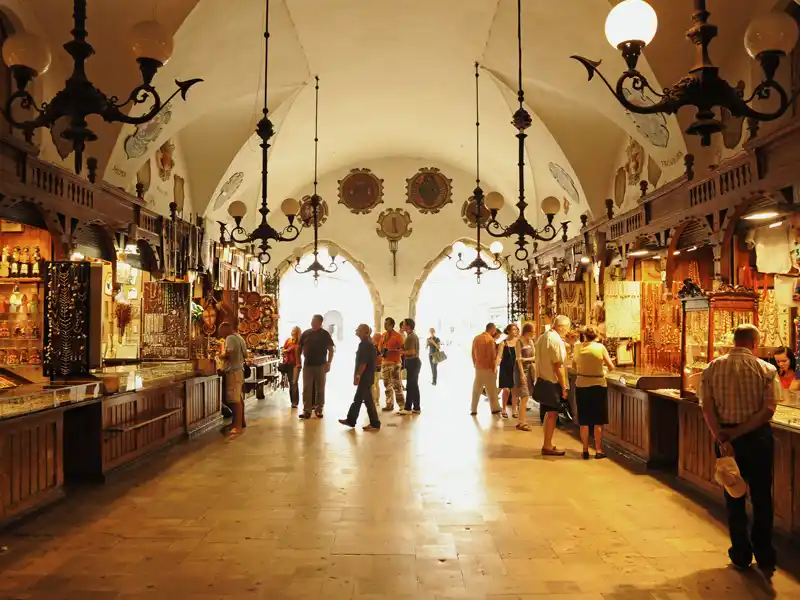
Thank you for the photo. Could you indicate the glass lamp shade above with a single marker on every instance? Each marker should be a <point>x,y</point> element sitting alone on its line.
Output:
<point>771,32</point>
<point>27,50</point>
<point>496,248</point>
<point>551,205</point>
<point>631,21</point>
<point>237,209</point>
<point>333,252</point>
<point>290,207</point>
<point>494,201</point>
<point>151,40</point>
<point>459,247</point>
<point>298,253</point>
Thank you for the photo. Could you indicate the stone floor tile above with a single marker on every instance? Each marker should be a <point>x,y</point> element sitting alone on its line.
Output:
<point>416,512</point>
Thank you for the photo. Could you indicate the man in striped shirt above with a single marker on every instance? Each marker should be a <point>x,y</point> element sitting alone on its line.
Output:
<point>738,392</point>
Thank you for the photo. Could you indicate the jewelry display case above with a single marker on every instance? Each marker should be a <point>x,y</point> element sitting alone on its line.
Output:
<point>709,321</point>
<point>165,321</point>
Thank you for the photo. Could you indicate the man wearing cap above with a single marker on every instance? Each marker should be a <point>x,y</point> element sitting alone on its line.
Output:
<point>738,393</point>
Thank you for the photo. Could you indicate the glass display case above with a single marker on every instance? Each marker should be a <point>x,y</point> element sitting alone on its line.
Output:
<point>709,321</point>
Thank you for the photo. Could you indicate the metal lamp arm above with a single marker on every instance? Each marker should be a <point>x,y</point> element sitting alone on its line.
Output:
<point>26,102</point>
<point>141,94</point>
<point>764,91</point>
<point>638,82</point>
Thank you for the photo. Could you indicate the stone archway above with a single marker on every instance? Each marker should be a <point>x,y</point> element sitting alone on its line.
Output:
<point>444,254</point>
<point>377,303</point>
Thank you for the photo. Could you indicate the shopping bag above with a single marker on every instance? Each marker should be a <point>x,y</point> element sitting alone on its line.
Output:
<point>438,356</point>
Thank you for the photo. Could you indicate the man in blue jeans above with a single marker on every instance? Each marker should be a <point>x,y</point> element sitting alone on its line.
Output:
<point>363,378</point>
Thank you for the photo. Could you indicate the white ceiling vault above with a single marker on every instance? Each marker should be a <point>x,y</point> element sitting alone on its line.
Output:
<point>396,80</point>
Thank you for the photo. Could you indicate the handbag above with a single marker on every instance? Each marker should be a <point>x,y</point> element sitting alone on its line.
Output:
<point>438,356</point>
<point>247,371</point>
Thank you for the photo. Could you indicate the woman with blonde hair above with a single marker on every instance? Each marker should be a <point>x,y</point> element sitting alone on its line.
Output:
<point>526,360</point>
<point>591,393</point>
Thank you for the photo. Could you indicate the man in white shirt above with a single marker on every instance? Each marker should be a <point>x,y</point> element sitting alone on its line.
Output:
<point>738,392</point>
<point>551,384</point>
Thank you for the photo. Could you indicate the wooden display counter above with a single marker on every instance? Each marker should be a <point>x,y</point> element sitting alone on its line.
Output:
<point>642,426</point>
<point>31,463</point>
<point>203,404</point>
<point>263,375</point>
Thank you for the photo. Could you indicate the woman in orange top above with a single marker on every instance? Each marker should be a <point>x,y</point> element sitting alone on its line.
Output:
<point>290,365</point>
<point>391,345</point>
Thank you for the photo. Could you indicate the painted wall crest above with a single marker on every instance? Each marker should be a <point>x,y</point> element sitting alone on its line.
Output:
<point>360,191</point>
<point>165,161</point>
<point>429,190</point>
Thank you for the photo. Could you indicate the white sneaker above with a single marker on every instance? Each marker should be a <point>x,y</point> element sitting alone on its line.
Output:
<point>403,411</point>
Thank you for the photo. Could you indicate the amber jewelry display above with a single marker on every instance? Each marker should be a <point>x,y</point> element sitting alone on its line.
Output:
<point>165,321</point>
<point>66,327</point>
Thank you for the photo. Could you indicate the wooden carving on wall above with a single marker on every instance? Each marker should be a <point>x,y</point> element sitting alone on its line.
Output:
<point>469,213</point>
<point>566,182</point>
<point>360,191</point>
<point>306,214</point>
<point>733,127</point>
<point>654,172</point>
<point>164,160</point>
<point>620,186</point>
<point>429,190</point>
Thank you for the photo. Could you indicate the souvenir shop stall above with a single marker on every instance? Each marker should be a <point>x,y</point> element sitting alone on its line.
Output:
<point>95,368</point>
<point>763,251</point>
<point>245,292</point>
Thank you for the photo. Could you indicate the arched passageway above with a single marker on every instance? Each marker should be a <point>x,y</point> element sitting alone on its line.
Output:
<point>343,298</point>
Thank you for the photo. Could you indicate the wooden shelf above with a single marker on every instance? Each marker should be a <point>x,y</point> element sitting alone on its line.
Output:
<point>16,280</point>
<point>144,419</point>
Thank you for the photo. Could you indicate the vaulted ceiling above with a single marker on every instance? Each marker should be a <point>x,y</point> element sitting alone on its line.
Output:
<point>396,81</point>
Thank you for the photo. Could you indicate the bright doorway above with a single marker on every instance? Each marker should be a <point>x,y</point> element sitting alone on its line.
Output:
<point>458,308</point>
<point>343,298</point>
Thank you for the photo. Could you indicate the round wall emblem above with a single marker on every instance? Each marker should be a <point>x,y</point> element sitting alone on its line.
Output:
<point>429,190</point>
<point>360,191</point>
<point>469,213</point>
<point>306,214</point>
<point>394,223</point>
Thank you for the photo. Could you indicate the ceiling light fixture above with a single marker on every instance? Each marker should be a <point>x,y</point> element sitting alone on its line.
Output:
<point>676,253</point>
<point>478,264</point>
<point>776,224</point>
<point>585,260</point>
<point>28,57</point>
<point>691,249</point>
<point>632,24</point>
<point>264,233</point>
<point>316,267</point>
<point>761,216</point>
<point>639,253</point>
<point>494,202</point>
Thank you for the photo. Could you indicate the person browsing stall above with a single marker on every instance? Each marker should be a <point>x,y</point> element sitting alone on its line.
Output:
<point>391,347</point>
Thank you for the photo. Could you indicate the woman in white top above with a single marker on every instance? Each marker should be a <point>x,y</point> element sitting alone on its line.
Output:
<point>591,393</point>
<point>526,359</point>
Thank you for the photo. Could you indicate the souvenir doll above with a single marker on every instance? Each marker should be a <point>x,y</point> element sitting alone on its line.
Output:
<point>34,359</point>
<point>33,307</point>
<point>4,264</point>
<point>15,262</point>
<point>36,262</point>
<point>23,357</point>
<point>24,262</point>
<point>3,329</point>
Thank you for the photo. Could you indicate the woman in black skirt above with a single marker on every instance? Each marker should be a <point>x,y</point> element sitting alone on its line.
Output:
<point>591,394</point>
<point>508,353</point>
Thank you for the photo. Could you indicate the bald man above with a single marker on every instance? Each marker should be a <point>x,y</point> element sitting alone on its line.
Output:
<point>363,379</point>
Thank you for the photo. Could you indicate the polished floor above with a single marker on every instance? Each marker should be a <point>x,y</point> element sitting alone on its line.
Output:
<point>440,505</point>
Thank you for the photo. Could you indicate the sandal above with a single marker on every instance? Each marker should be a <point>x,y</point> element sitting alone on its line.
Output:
<point>523,427</point>
<point>515,415</point>
<point>504,414</point>
<point>599,455</point>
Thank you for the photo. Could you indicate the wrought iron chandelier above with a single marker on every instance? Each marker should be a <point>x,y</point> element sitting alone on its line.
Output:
<point>28,57</point>
<point>632,24</point>
<point>264,233</point>
<point>315,267</point>
<point>478,264</point>
<point>494,201</point>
